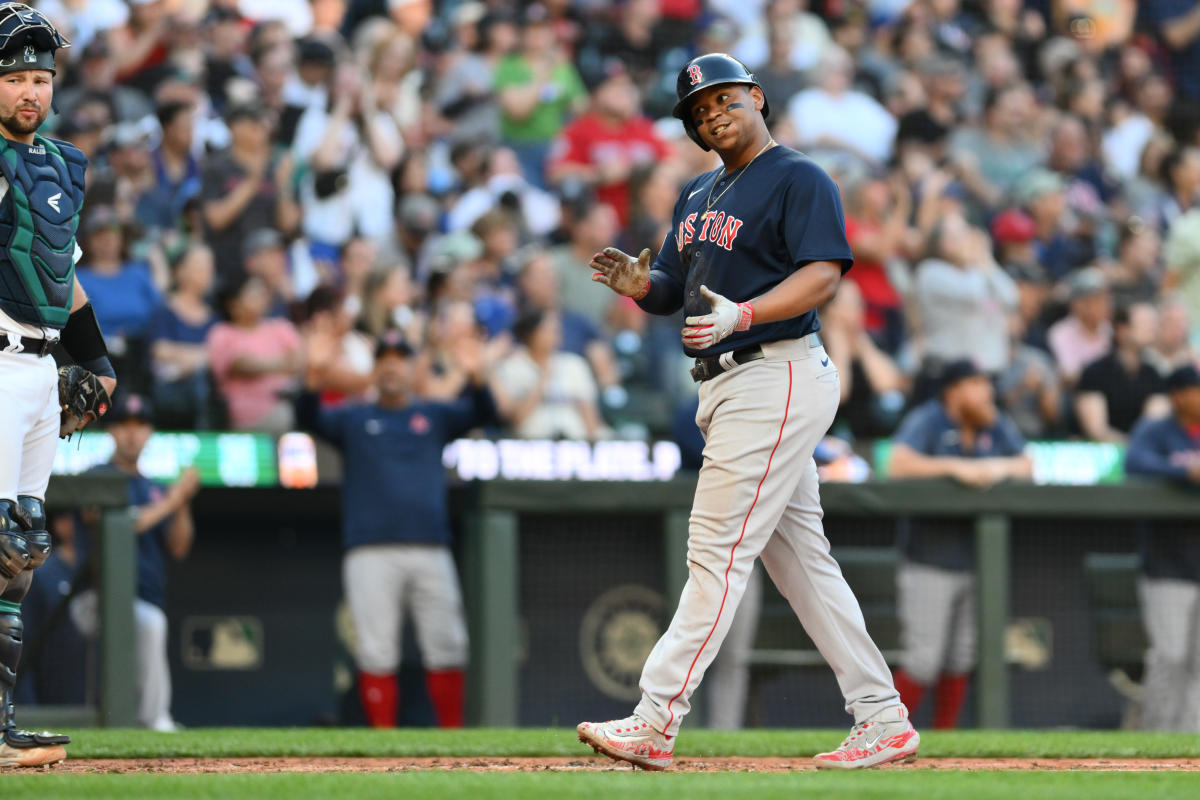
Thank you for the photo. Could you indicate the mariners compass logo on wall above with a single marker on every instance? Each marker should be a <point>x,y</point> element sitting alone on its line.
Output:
<point>616,635</point>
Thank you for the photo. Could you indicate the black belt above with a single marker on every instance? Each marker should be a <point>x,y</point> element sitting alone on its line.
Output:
<point>712,366</point>
<point>37,347</point>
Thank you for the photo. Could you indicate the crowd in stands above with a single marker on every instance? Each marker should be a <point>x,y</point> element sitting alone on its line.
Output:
<point>276,183</point>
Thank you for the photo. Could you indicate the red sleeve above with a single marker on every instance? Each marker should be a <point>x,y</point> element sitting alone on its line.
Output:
<point>572,145</point>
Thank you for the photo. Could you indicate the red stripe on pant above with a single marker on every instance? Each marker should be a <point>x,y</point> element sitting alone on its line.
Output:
<point>787,406</point>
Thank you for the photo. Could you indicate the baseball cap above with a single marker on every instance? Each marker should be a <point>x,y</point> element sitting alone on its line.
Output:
<point>954,372</point>
<point>1087,281</point>
<point>100,218</point>
<point>1037,183</point>
<point>393,341</point>
<point>312,50</point>
<point>240,111</point>
<point>1013,227</point>
<point>1184,377</point>
<point>127,406</point>
<point>261,239</point>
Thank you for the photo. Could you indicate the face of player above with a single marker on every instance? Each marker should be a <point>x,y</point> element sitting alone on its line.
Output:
<point>976,402</point>
<point>393,376</point>
<point>1186,403</point>
<point>129,439</point>
<point>729,119</point>
<point>25,98</point>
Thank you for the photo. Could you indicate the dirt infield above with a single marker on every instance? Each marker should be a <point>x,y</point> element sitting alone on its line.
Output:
<point>724,764</point>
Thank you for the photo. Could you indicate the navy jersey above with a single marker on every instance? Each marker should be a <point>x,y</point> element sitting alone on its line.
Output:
<point>766,221</point>
<point>393,480</point>
<point>948,543</point>
<point>1162,448</point>
<point>151,544</point>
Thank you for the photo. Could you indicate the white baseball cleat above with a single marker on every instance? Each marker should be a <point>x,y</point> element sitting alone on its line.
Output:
<point>886,737</point>
<point>31,756</point>
<point>630,739</point>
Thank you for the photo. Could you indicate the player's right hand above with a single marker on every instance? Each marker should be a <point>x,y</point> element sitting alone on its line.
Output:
<point>622,273</point>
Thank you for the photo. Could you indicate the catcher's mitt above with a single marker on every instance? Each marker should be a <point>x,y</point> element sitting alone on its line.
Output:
<point>82,398</point>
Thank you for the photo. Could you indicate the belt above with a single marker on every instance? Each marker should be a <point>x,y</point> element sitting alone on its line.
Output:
<point>28,344</point>
<point>711,366</point>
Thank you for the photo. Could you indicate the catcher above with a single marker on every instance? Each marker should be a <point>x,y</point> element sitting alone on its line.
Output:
<point>41,305</point>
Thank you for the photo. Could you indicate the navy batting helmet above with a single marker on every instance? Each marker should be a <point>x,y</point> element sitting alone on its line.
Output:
<point>705,71</point>
<point>27,39</point>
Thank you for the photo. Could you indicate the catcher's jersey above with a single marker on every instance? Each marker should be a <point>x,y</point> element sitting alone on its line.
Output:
<point>742,234</point>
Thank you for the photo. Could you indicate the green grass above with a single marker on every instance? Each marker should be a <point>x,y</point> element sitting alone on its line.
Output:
<point>890,785</point>
<point>351,742</point>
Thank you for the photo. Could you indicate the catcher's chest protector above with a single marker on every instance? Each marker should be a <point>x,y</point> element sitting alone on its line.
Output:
<point>39,215</point>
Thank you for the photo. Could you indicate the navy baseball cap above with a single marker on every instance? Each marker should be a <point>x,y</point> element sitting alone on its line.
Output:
<point>956,371</point>
<point>393,341</point>
<point>1184,377</point>
<point>127,406</point>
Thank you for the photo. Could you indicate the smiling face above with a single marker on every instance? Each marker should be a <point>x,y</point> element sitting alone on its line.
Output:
<point>728,117</point>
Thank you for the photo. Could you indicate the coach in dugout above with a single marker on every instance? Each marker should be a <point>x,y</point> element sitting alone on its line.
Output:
<point>961,435</point>
<point>395,525</point>
<point>1170,562</point>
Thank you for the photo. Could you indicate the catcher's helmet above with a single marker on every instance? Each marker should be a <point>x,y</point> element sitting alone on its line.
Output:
<point>705,71</point>
<point>27,39</point>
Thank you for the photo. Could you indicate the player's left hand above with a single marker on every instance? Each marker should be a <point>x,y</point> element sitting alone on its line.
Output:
<point>725,318</point>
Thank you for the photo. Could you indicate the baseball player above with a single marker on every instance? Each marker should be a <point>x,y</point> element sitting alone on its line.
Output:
<point>1169,583</point>
<point>41,303</point>
<point>755,247</point>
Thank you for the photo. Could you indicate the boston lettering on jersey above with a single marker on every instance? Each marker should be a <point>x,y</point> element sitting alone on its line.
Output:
<point>715,226</point>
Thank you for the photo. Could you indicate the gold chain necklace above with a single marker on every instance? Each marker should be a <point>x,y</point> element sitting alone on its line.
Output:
<point>708,203</point>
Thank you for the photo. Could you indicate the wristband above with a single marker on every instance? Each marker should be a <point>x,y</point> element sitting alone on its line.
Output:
<point>745,317</point>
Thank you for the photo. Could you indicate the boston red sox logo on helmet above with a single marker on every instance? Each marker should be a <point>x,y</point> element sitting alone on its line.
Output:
<point>695,74</point>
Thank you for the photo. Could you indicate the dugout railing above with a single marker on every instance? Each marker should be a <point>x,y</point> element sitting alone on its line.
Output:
<point>115,568</point>
<point>500,510</point>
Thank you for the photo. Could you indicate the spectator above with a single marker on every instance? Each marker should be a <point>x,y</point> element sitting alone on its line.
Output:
<point>601,148</point>
<point>463,90</point>
<point>176,170</point>
<point>97,73</point>
<point>542,391</point>
<point>162,520</point>
<point>991,158</point>
<point>396,528</point>
<point>391,300</point>
<point>121,290</point>
<point>1058,247</point>
<point>1085,334</point>
<point>1178,24</point>
<point>537,88</point>
<point>245,188</point>
<point>806,34</point>
<point>505,188</point>
<point>1169,586</point>
<point>959,435</point>
<point>1028,387</point>
<point>835,115</point>
<point>350,149</point>
<point>1173,348</point>
<point>1137,275</point>
<point>872,385</point>
<point>265,257</point>
<point>594,225</point>
<point>963,298</point>
<point>336,357</point>
<point>1121,387</point>
<point>177,333</point>
<point>255,359</point>
<point>877,214</point>
<point>1179,175</point>
<point>538,287</point>
<point>1181,253</point>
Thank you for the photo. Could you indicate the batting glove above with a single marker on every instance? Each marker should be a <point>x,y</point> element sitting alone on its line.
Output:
<point>622,273</point>
<point>725,318</point>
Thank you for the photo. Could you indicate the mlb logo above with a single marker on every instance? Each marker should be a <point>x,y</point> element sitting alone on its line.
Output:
<point>695,74</point>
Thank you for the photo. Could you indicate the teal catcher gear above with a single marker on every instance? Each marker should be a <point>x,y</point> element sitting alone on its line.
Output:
<point>27,39</point>
<point>39,216</point>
